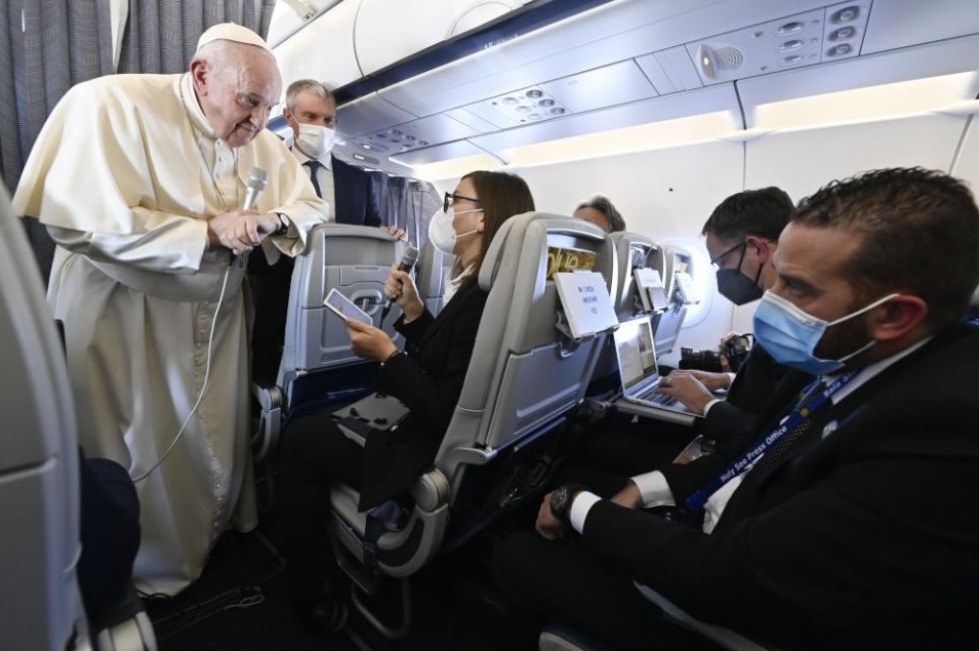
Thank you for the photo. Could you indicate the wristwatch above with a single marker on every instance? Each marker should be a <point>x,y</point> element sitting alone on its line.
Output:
<point>284,223</point>
<point>561,499</point>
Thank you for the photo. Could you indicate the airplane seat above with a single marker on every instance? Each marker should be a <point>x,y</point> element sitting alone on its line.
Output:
<point>318,367</point>
<point>633,251</point>
<point>41,604</point>
<point>667,323</point>
<point>431,276</point>
<point>524,379</point>
<point>557,637</point>
<point>723,637</point>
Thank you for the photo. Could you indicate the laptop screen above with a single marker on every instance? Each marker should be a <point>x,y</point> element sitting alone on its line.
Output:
<point>635,350</point>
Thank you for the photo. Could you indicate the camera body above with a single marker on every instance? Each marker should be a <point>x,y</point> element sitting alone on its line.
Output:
<point>736,350</point>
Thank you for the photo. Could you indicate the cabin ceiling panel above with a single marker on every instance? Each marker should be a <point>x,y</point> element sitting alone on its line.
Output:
<point>670,71</point>
<point>452,150</point>
<point>825,34</point>
<point>369,114</point>
<point>619,83</point>
<point>707,100</point>
<point>900,23</point>
<point>474,120</point>
<point>423,132</point>
<point>609,35</point>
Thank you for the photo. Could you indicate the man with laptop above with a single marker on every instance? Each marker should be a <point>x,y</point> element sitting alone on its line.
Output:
<point>741,237</point>
<point>850,521</point>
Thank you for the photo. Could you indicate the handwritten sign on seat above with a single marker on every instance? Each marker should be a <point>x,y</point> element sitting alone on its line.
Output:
<point>586,302</point>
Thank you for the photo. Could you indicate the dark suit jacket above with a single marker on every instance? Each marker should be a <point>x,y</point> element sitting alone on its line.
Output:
<point>867,538</point>
<point>749,395</point>
<point>429,383</point>
<point>356,201</point>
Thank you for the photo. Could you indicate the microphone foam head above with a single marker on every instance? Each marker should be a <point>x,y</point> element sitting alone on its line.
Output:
<point>257,178</point>
<point>411,256</point>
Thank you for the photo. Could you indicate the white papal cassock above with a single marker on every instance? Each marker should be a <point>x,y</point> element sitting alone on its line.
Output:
<point>123,174</point>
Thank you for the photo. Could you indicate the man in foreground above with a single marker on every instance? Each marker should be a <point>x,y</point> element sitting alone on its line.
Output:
<point>850,523</point>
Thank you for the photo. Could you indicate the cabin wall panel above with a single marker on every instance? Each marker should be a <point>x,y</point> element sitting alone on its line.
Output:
<point>800,162</point>
<point>966,167</point>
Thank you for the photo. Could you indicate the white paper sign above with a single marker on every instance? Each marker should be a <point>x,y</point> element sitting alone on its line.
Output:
<point>586,302</point>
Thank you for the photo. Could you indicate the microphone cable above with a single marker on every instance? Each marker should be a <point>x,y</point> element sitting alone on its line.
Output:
<point>200,396</point>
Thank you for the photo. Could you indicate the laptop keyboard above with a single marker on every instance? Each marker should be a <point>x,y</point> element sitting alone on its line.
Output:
<point>651,395</point>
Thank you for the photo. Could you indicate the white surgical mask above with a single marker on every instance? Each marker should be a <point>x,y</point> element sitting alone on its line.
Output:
<point>315,140</point>
<point>443,235</point>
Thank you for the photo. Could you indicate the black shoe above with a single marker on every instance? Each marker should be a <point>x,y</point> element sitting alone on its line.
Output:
<point>323,616</point>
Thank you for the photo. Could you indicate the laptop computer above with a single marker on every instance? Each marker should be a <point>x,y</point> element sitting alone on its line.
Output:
<point>635,350</point>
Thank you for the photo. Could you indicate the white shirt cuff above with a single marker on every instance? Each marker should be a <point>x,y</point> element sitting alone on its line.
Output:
<point>711,404</point>
<point>654,489</point>
<point>583,502</point>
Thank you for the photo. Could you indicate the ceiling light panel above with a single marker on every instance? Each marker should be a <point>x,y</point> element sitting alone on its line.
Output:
<point>414,135</point>
<point>527,106</point>
<point>827,34</point>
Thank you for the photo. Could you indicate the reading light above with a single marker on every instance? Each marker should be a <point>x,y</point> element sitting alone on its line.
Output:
<point>788,29</point>
<point>845,15</point>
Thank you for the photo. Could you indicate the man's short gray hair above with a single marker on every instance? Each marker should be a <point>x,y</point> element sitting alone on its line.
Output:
<point>310,86</point>
<point>602,204</point>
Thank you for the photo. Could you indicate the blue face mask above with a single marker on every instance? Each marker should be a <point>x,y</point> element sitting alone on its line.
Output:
<point>790,335</point>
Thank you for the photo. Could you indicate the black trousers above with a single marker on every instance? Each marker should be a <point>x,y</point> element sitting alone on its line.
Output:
<point>563,583</point>
<point>314,455</point>
<point>617,446</point>
<point>109,536</point>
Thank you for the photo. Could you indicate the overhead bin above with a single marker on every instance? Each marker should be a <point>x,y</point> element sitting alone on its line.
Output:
<point>343,42</point>
<point>610,65</point>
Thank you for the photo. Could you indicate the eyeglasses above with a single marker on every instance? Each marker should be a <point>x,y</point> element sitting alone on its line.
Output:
<point>450,199</point>
<point>716,262</point>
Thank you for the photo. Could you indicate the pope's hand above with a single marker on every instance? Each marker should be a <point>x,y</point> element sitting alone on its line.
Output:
<point>241,230</point>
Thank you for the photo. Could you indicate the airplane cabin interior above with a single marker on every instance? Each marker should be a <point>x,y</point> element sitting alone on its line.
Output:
<point>666,107</point>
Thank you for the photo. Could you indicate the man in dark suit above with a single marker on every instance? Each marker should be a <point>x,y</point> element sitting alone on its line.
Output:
<point>311,112</point>
<point>852,524</point>
<point>348,190</point>
<point>741,237</point>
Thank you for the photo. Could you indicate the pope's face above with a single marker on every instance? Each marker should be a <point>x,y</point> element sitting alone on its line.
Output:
<point>237,92</point>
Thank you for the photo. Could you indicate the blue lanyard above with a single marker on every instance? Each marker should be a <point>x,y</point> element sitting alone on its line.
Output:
<point>695,502</point>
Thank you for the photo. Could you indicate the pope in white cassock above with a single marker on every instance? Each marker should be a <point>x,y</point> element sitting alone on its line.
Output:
<point>141,179</point>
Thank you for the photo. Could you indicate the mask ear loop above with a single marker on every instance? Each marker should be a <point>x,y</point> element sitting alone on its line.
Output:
<point>744,252</point>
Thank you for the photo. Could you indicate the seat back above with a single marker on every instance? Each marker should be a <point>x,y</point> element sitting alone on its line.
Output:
<point>317,361</point>
<point>523,379</point>
<point>40,604</point>
<point>633,251</point>
<point>524,375</point>
<point>431,273</point>
<point>667,323</point>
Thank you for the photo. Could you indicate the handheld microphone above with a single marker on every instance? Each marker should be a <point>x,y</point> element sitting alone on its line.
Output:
<point>257,179</point>
<point>407,263</point>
